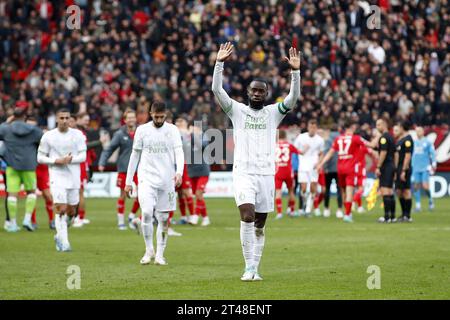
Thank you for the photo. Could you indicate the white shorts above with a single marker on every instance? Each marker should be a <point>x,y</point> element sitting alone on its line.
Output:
<point>308,176</point>
<point>158,199</point>
<point>65,196</point>
<point>256,189</point>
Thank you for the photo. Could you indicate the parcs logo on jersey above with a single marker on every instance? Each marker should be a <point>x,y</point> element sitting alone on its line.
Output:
<point>383,140</point>
<point>408,144</point>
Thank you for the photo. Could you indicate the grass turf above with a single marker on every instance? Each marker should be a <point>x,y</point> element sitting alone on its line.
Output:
<point>304,258</point>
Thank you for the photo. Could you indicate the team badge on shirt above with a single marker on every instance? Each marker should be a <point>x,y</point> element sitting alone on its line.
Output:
<point>171,197</point>
<point>383,141</point>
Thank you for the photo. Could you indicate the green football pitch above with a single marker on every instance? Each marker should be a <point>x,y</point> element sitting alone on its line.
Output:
<point>304,258</point>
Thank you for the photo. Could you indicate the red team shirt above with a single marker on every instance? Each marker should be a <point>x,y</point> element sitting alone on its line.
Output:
<point>284,172</point>
<point>361,165</point>
<point>348,147</point>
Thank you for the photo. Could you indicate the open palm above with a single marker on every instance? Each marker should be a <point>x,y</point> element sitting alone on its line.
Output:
<point>294,58</point>
<point>225,51</point>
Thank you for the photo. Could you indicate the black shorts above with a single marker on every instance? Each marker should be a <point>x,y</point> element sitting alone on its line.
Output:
<point>403,185</point>
<point>387,176</point>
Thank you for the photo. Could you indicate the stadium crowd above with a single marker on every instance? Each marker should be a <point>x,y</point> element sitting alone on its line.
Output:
<point>129,53</point>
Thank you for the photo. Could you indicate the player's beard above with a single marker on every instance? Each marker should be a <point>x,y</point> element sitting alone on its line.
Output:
<point>158,125</point>
<point>258,105</point>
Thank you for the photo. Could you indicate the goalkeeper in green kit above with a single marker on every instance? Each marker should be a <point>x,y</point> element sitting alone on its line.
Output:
<point>21,141</point>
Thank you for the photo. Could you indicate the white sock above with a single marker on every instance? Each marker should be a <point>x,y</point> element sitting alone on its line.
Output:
<point>247,242</point>
<point>260,238</point>
<point>13,221</point>
<point>64,236</point>
<point>161,233</point>
<point>27,217</point>
<point>309,202</point>
<point>58,225</point>
<point>147,231</point>
<point>120,218</point>
<point>131,216</point>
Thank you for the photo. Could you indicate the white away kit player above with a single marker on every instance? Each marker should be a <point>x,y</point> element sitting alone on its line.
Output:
<point>314,145</point>
<point>157,149</point>
<point>63,149</point>
<point>255,128</point>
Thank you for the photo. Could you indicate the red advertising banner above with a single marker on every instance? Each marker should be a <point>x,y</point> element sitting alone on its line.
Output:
<point>441,138</point>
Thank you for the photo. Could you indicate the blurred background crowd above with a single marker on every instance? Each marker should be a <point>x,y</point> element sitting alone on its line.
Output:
<point>128,53</point>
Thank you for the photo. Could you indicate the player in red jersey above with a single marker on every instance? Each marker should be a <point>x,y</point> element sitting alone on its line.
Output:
<point>284,173</point>
<point>347,145</point>
<point>43,184</point>
<point>361,175</point>
<point>319,195</point>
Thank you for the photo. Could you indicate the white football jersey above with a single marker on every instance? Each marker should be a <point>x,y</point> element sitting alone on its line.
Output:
<point>56,144</point>
<point>157,163</point>
<point>254,135</point>
<point>310,158</point>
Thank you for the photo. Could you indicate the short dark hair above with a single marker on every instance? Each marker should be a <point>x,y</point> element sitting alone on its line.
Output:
<point>19,112</point>
<point>128,111</point>
<point>31,118</point>
<point>158,106</point>
<point>312,122</point>
<point>260,80</point>
<point>405,124</point>
<point>60,110</point>
<point>348,123</point>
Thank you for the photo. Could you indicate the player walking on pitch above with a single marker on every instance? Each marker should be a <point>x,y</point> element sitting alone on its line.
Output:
<point>122,140</point>
<point>348,146</point>
<point>423,165</point>
<point>284,173</point>
<point>402,159</point>
<point>157,149</point>
<point>313,146</point>
<point>254,138</point>
<point>63,149</point>
<point>20,145</point>
<point>386,170</point>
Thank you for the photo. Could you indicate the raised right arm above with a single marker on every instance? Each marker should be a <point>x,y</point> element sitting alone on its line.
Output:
<point>218,90</point>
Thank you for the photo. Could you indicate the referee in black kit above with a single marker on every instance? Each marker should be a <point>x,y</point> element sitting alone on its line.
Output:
<point>386,170</point>
<point>405,147</point>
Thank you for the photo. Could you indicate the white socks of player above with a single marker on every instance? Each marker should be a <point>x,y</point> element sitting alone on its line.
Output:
<point>147,231</point>
<point>248,243</point>
<point>260,237</point>
<point>305,197</point>
<point>120,219</point>
<point>61,228</point>
<point>309,202</point>
<point>161,233</point>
